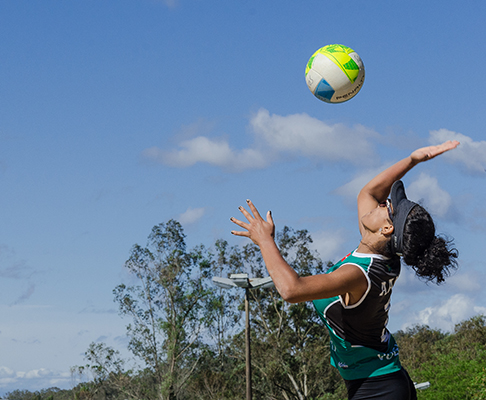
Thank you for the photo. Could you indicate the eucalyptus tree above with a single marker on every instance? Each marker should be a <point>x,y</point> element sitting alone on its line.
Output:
<point>290,346</point>
<point>166,306</point>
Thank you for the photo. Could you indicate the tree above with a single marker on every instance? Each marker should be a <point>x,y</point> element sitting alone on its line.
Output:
<point>220,373</point>
<point>290,344</point>
<point>417,345</point>
<point>106,375</point>
<point>478,386</point>
<point>453,363</point>
<point>166,306</point>
<point>52,393</point>
<point>222,305</point>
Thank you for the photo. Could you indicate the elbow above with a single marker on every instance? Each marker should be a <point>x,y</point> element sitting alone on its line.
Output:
<point>289,295</point>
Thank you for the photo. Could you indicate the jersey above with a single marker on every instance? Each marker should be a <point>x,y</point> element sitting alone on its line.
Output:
<point>361,345</point>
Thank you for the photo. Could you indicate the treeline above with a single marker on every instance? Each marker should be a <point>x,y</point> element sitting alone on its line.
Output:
<point>189,340</point>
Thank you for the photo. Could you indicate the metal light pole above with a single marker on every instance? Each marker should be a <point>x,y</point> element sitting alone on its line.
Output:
<point>242,281</point>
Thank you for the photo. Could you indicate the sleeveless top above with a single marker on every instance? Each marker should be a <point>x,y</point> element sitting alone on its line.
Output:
<point>361,345</point>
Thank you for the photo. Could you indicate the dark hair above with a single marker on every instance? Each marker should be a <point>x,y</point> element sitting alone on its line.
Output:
<point>432,257</point>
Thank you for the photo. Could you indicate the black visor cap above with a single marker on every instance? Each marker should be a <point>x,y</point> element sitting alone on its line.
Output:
<point>401,208</point>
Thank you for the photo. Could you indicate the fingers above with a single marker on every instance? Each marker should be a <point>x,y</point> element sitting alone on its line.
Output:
<point>451,144</point>
<point>270,221</point>
<point>430,152</point>
<point>244,225</point>
<point>270,218</point>
<point>248,216</point>
<point>253,209</point>
<point>254,221</point>
<point>241,233</point>
<point>442,148</point>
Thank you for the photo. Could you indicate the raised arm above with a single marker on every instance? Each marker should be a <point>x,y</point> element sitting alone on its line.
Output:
<point>377,190</point>
<point>346,280</point>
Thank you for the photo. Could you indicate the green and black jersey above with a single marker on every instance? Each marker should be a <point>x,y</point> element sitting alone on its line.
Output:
<point>361,345</point>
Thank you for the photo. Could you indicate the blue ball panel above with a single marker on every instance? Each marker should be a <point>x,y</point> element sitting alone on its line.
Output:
<point>324,91</point>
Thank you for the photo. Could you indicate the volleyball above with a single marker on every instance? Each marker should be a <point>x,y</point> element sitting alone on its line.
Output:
<point>335,73</point>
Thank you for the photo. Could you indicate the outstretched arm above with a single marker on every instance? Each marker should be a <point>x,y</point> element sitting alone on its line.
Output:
<point>348,279</point>
<point>377,190</point>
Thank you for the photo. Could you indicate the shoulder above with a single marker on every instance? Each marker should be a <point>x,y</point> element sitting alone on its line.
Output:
<point>365,260</point>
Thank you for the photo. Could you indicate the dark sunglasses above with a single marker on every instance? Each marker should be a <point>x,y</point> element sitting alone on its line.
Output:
<point>388,207</point>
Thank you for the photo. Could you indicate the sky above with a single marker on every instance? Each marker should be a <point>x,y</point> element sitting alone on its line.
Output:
<point>118,115</point>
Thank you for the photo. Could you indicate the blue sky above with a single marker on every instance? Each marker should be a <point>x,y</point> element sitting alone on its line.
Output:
<point>118,115</point>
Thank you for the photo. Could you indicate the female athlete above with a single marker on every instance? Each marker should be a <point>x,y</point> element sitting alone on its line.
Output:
<point>353,297</point>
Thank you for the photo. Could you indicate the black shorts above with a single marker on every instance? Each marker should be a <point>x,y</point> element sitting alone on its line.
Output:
<point>395,386</point>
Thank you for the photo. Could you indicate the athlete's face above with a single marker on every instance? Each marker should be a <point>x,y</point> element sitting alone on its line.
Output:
<point>379,217</point>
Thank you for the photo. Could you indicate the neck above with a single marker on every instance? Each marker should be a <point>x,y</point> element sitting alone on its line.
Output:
<point>370,247</point>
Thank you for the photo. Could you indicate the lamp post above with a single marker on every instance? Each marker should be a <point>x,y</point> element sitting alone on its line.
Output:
<point>242,281</point>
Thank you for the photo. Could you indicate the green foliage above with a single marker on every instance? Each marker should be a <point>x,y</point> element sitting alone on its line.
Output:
<point>53,393</point>
<point>189,335</point>
<point>478,385</point>
<point>417,345</point>
<point>166,307</point>
<point>290,344</point>
<point>454,364</point>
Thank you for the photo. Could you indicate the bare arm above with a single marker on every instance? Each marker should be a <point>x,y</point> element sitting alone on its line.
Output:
<point>348,279</point>
<point>378,189</point>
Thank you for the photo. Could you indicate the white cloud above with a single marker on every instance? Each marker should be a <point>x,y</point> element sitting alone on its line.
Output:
<point>471,154</point>
<point>216,152</point>
<point>37,373</point>
<point>6,372</point>
<point>275,136</point>
<point>444,316</point>
<point>302,134</point>
<point>191,215</point>
<point>352,188</point>
<point>426,188</point>
<point>35,379</point>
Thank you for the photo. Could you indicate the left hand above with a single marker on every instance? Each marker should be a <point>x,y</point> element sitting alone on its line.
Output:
<point>257,229</point>
<point>429,152</point>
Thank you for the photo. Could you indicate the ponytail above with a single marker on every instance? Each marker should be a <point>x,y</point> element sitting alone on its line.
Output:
<point>432,257</point>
